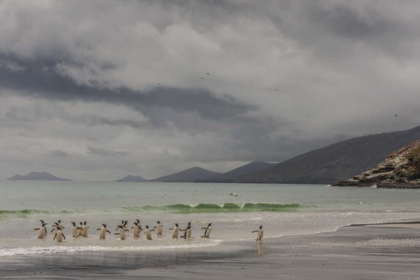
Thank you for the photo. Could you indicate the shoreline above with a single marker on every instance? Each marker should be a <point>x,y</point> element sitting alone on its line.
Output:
<point>371,251</point>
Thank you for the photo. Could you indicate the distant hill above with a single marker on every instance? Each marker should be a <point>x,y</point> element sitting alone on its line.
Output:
<point>37,176</point>
<point>242,170</point>
<point>190,175</point>
<point>130,178</point>
<point>336,162</point>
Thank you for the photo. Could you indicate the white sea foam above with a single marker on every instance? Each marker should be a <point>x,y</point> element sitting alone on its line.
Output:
<point>30,251</point>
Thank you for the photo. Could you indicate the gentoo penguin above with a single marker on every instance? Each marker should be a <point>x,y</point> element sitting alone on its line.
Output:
<point>188,231</point>
<point>175,232</point>
<point>54,226</point>
<point>260,233</point>
<point>59,235</point>
<point>46,231</point>
<point>207,231</point>
<point>121,232</point>
<point>136,230</point>
<point>139,225</point>
<point>80,233</point>
<point>85,230</point>
<point>103,231</point>
<point>159,230</point>
<point>74,230</point>
<point>59,224</point>
<point>42,231</point>
<point>148,233</point>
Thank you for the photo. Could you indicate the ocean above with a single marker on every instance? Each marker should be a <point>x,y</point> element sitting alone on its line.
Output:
<point>281,209</point>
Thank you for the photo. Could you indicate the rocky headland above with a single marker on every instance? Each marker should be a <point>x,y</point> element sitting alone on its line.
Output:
<point>400,169</point>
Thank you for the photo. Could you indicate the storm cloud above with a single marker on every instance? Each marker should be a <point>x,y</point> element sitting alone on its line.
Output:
<point>154,87</point>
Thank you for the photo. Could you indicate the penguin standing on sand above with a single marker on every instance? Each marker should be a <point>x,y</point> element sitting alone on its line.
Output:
<point>148,233</point>
<point>74,230</point>
<point>85,230</point>
<point>59,235</point>
<point>175,232</point>
<point>260,233</point>
<point>103,231</point>
<point>159,230</point>
<point>121,232</point>
<point>187,232</point>
<point>42,231</point>
<point>207,231</point>
<point>136,230</point>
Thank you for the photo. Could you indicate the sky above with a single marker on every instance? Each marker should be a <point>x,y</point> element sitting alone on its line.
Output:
<point>96,90</point>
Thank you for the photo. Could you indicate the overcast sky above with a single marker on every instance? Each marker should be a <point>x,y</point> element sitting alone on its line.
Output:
<point>96,90</point>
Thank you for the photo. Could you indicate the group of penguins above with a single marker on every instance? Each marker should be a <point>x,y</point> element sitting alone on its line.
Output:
<point>83,228</point>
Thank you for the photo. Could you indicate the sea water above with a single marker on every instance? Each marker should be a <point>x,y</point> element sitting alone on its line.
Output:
<point>281,209</point>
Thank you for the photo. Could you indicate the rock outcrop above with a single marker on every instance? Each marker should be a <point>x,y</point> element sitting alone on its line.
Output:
<point>400,169</point>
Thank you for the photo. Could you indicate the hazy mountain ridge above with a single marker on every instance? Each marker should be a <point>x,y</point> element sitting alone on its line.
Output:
<point>242,170</point>
<point>190,175</point>
<point>37,176</point>
<point>336,162</point>
<point>131,178</point>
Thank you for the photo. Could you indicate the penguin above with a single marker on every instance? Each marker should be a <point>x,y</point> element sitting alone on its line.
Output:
<point>121,232</point>
<point>74,230</point>
<point>54,226</point>
<point>124,224</point>
<point>46,231</point>
<point>139,225</point>
<point>59,235</point>
<point>136,230</point>
<point>188,231</point>
<point>59,224</point>
<point>148,233</point>
<point>42,231</point>
<point>158,228</point>
<point>80,233</point>
<point>175,232</point>
<point>103,231</point>
<point>85,230</point>
<point>207,231</point>
<point>260,233</point>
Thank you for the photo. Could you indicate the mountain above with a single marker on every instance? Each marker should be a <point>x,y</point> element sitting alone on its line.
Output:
<point>130,178</point>
<point>400,169</point>
<point>37,176</point>
<point>242,170</point>
<point>336,162</point>
<point>190,175</point>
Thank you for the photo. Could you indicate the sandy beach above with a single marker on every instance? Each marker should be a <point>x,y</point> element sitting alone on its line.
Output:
<point>359,252</point>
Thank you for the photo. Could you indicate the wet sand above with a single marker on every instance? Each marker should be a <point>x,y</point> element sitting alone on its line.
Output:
<point>389,251</point>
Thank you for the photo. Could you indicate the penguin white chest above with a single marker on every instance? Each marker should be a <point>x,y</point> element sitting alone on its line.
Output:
<point>175,233</point>
<point>42,233</point>
<point>159,229</point>
<point>148,234</point>
<point>59,236</point>
<point>74,232</point>
<point>85,231</point>
<point>189,233</point>
<point>260,234</point>
<point>102,233</point>
<point>122,234</point>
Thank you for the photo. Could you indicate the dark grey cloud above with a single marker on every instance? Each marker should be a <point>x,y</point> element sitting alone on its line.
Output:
<point>78,83</point>
<point>59,153</point>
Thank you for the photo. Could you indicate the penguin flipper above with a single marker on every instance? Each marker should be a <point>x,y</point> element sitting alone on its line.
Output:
<point>255,231</point>
<point>63,236</point>
<point>98,229</point>
<point>37,228</point>
<point>52,229</point>
<point>108,231</point>
<point>171,228</point>
<point>55,235</point>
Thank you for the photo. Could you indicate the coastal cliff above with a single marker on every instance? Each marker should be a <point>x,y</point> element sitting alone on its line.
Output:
<point>400,169</point>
